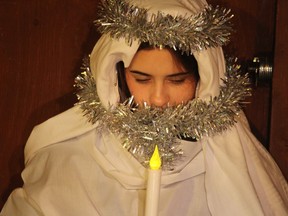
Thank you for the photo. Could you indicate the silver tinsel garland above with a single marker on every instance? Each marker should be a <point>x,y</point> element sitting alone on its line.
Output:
<point>209,28</point>
<point>142,128</point>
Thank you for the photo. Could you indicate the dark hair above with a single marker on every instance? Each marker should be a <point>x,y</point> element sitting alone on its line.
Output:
<point>187,61</point>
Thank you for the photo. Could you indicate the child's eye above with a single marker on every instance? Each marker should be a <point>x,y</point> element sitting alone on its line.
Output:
<point>180,79</point>
<point>177,81</point>
<point>142,80</point>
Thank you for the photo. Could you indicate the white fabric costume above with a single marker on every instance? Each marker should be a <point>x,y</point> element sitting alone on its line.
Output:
<point>72,169</point>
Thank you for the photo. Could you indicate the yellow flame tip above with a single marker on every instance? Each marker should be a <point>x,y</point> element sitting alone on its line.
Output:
<point>155,161</point>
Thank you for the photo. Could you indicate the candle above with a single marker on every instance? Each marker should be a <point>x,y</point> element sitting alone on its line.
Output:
<point>153,184</point>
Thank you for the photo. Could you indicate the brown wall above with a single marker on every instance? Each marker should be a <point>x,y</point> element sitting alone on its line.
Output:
<point>42,43</point>
<point>279,119</point>
<point>254,24</point>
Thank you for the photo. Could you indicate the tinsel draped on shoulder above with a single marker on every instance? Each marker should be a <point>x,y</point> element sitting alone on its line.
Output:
<point>142,128</point>
<point>209,28</point>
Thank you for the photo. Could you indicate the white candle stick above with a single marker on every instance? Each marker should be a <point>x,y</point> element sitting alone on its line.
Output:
<point>153,184</point>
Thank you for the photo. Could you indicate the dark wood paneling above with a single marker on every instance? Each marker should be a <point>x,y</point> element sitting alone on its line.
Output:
<point>279,120</point>
<point>254,23</point>
<point>41,47</point>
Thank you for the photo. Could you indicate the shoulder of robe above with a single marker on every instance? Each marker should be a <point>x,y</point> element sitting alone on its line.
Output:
<point>63,126</point>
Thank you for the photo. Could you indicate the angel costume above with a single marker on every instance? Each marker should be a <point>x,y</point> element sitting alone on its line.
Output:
<point>74,168</point>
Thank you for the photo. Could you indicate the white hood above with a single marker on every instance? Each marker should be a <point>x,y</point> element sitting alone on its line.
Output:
<point>108,52</point>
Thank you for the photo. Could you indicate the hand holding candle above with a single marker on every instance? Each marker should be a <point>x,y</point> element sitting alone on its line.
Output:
<point>153,184</point>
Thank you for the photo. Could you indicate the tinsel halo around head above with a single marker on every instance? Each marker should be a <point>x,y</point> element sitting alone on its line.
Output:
<point>209,28</point>
<point>141,129</point>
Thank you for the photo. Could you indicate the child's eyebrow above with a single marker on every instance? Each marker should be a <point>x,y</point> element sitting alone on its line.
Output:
<point>139,73</point>
<point>170,75</point>
<point>179,74</point>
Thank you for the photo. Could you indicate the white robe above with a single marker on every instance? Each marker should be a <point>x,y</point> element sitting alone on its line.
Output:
<point>91,174</point>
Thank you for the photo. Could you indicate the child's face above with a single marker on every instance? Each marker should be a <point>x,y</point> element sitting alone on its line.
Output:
<point>155,77</point>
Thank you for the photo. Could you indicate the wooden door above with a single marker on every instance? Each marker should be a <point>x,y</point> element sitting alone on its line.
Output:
<point>254,36</point>
<point>279,119</point>
<point>262,30</point>
<point>42,43</point>
<point>41,46</point>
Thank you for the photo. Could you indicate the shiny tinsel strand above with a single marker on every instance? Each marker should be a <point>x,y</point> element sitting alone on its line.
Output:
<point>209,28</point>
<point>142,128</point>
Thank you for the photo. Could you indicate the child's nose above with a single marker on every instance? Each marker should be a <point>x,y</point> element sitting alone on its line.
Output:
<point>159,96</point>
